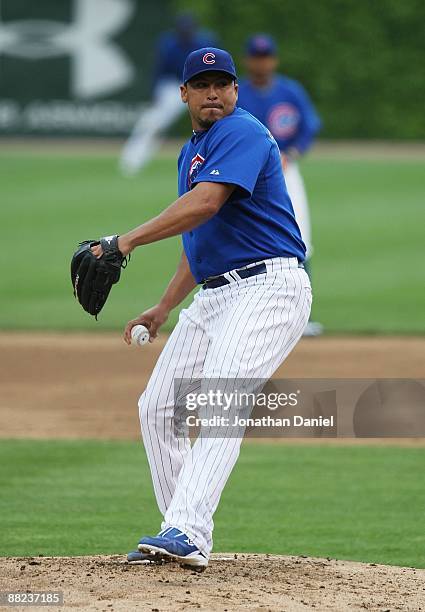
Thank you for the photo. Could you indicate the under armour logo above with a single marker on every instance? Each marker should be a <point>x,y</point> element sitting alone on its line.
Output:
<point>216,172</point>
<point>98,64</point>
<point>209,58</point>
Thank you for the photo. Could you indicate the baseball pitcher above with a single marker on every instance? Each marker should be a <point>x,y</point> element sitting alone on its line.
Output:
<point>243,249</point>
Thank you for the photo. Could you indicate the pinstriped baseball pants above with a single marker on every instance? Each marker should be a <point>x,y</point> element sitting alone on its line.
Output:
<point>242,330</point>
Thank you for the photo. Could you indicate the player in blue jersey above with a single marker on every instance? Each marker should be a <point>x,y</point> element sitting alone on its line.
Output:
<point>173,48</point>
<point>242,245</point>
<point>284,107</point>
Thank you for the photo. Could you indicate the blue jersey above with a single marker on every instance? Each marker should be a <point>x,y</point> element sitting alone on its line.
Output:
<point>173,50</point>
<point>257,222</point>
<point>285,108</point>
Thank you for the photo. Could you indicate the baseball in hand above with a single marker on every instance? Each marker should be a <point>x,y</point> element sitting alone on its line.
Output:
<point>139,335</point>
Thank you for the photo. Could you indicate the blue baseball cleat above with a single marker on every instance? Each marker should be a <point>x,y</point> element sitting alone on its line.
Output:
<point>174,544</point>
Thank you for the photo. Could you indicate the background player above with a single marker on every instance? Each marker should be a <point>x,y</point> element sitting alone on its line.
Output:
<point>173,48</point>
<point>242,242</point>
<point>284,107</point>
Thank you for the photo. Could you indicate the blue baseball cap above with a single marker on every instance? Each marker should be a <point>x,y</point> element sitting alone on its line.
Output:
<point>208,59</point>
<point>261,44</point>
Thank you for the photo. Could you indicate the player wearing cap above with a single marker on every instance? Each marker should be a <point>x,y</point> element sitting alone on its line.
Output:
<point>242,244</point>
<point>172,50</point>
<point>284,107</point>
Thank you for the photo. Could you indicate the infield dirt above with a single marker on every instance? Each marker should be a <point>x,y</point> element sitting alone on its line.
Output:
<point>86,386</point>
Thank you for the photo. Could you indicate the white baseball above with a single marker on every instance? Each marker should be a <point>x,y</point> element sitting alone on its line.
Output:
<point>139,335</point>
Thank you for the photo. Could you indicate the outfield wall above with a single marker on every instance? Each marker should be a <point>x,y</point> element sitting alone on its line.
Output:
<point>77,67</point>
<point>84,67</point>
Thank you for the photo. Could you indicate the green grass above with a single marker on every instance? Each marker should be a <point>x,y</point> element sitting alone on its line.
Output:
<point>368,220</point>
<point>86,497</point>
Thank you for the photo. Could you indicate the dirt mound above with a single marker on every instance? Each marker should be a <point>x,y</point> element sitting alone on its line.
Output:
<point>231,582</point>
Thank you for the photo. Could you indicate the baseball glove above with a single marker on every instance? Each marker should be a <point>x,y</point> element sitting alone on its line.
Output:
<point>93,278</point>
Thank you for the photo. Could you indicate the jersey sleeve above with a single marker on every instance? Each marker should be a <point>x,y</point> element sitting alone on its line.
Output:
<point>236,154</point>
<point>310,122</point>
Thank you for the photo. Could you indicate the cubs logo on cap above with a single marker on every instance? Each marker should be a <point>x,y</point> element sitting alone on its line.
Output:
<point>207,59</point>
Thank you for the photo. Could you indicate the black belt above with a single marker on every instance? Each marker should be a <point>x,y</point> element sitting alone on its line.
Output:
<point>218,281</point>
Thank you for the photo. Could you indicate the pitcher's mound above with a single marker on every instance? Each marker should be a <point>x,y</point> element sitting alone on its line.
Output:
<point>231,582</point>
